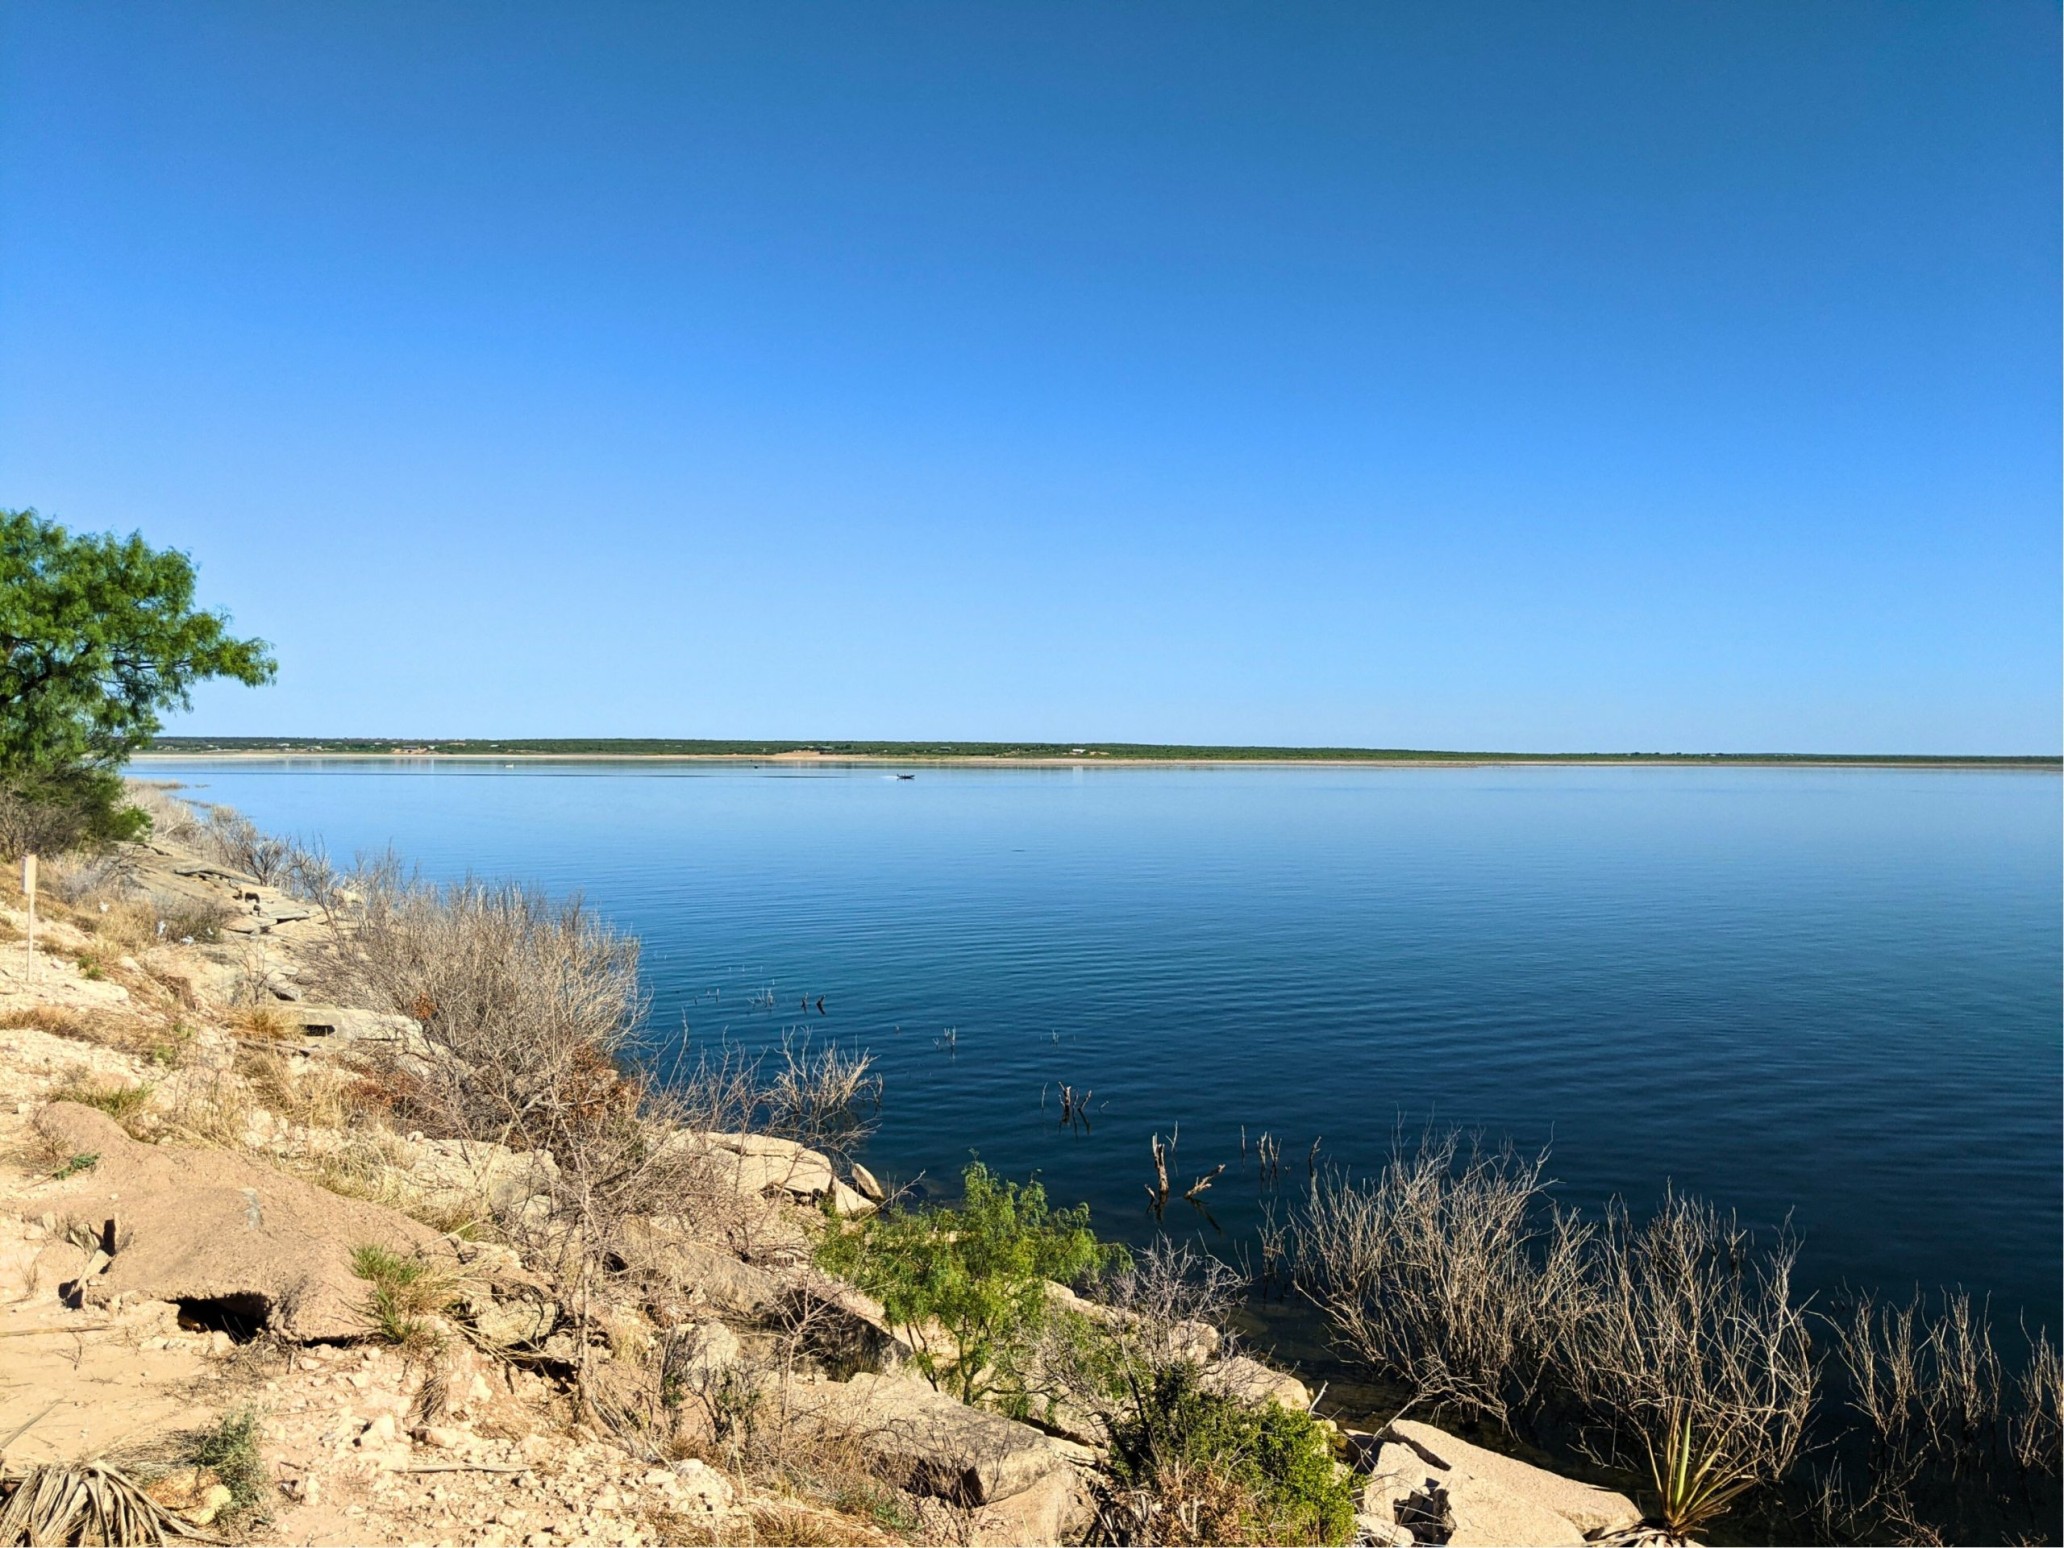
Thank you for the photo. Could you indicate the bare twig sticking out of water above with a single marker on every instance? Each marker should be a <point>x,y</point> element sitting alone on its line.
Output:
<point>1197,1188</point>
<point>1274,1238</point>
<point>1075,1108</point>
<point>1157,1190</point>
<point>949,1039</point>
<point>1268,1159</point>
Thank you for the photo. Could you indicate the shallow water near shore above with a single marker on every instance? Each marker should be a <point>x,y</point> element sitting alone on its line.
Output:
<point>1832,995</point>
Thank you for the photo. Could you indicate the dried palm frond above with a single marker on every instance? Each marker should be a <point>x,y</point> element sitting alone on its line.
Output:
<point>82,1502</point>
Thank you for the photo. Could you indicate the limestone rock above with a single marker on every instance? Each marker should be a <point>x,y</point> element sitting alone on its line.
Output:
<point>927,1442</point>
<point>348,1023</point>
<point>704,1484</point>
<point>461,1173</point>
<point>759,1163</point>
<point>1486,1515</point>
<point>848,1330</point>
<point>1252,1382</point>
<point>868,1186</point>
<point>1052,1511</point>
<point>515,1321</point>
<point>1591,1509</point>
<point>205,1225</point>
<point>849,1203</point>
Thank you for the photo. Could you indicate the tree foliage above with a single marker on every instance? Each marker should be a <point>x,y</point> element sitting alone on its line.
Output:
<point>978,1271</point>
<point>99,635</point>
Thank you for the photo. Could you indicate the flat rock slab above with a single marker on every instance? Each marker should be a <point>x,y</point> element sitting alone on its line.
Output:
<point>930,1443</point>
<point>195,1225</point>
<point>1252,1382</point>
<point>1586,1507</point>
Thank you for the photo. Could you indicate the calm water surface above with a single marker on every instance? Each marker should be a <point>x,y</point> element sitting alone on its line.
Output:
<point>1832,994</point>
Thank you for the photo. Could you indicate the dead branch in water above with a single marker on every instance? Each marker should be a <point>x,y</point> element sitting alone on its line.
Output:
<point>1204,1182</point>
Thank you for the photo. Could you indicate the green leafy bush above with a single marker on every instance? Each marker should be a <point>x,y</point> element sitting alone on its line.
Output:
<point>978,1271</point>
<point>1201,1466</point>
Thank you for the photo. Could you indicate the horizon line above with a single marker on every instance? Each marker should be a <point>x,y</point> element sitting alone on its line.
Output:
<point>936,748</point>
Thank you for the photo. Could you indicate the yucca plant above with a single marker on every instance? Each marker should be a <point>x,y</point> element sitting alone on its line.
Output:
<point>1696,1479</point>
<point>84,1502</point>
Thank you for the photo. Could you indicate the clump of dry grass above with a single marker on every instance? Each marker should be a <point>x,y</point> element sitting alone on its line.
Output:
<point>57,1020</point>
<point>262,1021</point>
<point>128,1103</point>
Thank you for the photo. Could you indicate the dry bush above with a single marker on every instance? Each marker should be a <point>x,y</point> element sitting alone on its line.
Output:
<point>2038,1436</point>
<point>1692,1356</point>
<point>171,818</point>
<point>1923,1376</point>
<point>1940,1423</point>
<point>36,827</point>
<point>1673,1346</point>
<point>525,1005</point>
<point>189,920</point>
<point>1450,1272</point>
<point>82,880</point>
<point>821,1094</point>
<point>233,840</point>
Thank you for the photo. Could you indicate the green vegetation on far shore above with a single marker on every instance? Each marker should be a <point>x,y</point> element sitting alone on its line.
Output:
<point>1129,752</point>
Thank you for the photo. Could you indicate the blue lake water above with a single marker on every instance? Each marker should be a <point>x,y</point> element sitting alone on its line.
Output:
<point>1829,994</point>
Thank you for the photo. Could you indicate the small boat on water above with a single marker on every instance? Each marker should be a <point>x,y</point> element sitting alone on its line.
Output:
<point>906,776</point>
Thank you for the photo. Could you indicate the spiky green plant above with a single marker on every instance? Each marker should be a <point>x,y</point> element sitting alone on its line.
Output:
<point>1696,1479</point>
<point>405,1291</point>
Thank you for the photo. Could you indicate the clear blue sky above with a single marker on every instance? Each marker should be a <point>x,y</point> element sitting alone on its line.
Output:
<point>1673,376</point>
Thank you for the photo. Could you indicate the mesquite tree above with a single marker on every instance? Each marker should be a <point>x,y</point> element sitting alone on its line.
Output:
<point>98,636</point>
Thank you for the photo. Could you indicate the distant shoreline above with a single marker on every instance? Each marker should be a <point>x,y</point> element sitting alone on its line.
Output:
<point>1004,755</point>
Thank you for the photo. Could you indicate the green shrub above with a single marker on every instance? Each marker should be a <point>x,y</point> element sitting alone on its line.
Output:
<point>979,1271</point>
<point>1204,1467</point>
<point>405,1291</point>
<point>230,1451</point>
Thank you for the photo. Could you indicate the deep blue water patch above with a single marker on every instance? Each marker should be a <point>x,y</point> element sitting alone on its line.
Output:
<point>1832,995</point>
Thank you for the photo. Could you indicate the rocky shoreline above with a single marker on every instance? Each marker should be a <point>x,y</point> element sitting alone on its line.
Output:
<point>189,1199</point>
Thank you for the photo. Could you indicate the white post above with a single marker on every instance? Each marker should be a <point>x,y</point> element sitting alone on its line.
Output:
<point>28,881</point>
